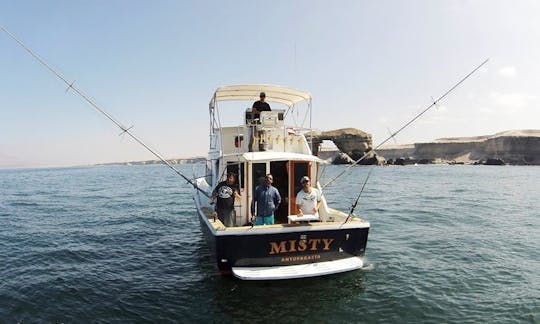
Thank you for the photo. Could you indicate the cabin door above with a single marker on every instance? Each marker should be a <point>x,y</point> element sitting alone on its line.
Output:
<point>280,172</point>
<point>298,170</point>
<point>242,213</point>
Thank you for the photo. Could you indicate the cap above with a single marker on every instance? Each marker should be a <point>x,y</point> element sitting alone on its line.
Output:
<point>262,94</point>
<point>304,179</point>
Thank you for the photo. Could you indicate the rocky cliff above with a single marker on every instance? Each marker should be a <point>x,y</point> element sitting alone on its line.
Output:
<point>350,141</point>
<point>514,147</point>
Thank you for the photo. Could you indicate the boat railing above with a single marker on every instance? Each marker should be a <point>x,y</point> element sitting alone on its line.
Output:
<point>266,119</point>
<point>243,138</point>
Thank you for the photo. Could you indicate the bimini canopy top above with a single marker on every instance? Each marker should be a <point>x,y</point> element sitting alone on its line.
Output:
<point>277,94</point>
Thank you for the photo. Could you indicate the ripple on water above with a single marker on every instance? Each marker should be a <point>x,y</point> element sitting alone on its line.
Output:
<point>123,244</point>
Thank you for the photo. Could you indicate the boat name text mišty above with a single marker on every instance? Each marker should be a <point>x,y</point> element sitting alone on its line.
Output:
<point>300,245</point>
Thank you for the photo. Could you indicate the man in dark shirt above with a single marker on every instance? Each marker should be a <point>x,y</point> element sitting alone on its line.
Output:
<point>258,106</point>
<point>224,195</point>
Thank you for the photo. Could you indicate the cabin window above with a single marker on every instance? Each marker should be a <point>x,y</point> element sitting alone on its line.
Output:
<point>258,172</point>
<point>300,169</point>
<point>238,140</point>
<point>238,169</point>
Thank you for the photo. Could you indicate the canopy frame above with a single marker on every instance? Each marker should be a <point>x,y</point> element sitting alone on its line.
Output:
<point>289,97</point>
<point>250,92</point>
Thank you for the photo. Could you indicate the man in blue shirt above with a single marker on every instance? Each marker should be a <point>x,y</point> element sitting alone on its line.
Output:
<point>267,199</point>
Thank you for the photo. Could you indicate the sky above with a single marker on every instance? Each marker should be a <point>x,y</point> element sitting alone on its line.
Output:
<point>154,65</point>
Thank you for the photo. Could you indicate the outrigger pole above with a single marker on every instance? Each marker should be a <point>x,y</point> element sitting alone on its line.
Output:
<point>353,206</point>
<point>96,107</point>
<point>435,102</point>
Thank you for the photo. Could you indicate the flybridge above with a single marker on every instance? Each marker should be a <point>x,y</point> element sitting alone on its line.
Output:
<point>279,130</point>
<point>270,135</point>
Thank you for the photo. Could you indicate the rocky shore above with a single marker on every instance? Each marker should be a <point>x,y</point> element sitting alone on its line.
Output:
<point>344,146</point>
<point>516,147</point>
<point>171,161</point>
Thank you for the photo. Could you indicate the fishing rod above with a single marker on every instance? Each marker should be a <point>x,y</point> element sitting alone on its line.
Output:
<point>353,206</point>
<point>125,130</point>
<point>435,102</point>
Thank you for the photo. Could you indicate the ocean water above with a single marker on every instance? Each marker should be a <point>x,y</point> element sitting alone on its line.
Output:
<point>121,244</point>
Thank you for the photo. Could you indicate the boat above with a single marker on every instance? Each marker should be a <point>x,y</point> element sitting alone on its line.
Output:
<point>278,143</point>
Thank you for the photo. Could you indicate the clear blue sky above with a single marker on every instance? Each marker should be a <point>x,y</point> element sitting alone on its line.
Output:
<point>155,64</point>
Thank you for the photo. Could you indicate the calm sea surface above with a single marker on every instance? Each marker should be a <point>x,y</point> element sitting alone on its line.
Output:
<point>122,244</point>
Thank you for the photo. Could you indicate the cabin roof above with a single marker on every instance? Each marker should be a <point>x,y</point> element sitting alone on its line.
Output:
<point>274,93</point>
<point>275,156</point>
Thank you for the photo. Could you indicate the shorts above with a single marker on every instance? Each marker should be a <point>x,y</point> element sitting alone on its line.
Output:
<point>264,220</point>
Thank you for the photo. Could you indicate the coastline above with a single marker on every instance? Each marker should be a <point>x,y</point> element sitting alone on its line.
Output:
<point>515,147</point>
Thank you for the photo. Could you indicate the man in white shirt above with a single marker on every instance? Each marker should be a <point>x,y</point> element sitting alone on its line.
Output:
<point>308,200</point>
